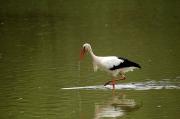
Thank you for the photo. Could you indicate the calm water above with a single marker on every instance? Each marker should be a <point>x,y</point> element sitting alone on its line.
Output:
<point>39,53</point>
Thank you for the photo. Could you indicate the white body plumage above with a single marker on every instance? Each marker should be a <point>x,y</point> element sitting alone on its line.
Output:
<point>111,64</point>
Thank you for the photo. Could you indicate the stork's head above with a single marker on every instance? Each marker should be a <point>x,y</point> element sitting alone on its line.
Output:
<point>86,48</point>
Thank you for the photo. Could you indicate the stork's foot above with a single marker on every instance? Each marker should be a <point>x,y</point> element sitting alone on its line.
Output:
<point>113,80</point>
<point>122,77</point>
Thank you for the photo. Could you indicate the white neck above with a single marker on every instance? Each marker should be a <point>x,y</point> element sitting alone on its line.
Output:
<point>92,54</point>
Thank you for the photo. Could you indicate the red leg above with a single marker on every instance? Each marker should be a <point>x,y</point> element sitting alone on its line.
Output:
<point>113,83</point>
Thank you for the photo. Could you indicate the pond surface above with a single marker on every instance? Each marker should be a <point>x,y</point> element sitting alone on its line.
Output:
<point>41,76</point>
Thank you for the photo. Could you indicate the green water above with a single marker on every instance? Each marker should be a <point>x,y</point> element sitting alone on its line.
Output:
<point>39,54</point>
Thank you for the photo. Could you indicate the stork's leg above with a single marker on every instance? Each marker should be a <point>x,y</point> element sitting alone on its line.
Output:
<point>122,77</point>
<point>113,81</point>
<point>107,82</point>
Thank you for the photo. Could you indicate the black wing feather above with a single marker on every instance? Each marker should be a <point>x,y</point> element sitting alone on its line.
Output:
<point>125,64</point>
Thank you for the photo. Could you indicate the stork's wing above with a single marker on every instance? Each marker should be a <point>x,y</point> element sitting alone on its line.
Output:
<point>125,64</point>
<point>111,61</point>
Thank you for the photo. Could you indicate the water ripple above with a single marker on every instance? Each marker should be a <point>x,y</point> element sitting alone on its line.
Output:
<point>149,85</point>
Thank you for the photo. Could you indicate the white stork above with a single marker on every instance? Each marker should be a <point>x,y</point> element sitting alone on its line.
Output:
<point>111,64</point>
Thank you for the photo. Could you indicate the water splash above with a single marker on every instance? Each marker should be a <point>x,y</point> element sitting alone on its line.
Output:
<point>149,85</point>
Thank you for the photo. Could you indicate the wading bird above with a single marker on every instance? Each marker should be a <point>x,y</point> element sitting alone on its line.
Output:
<point>116,66</point>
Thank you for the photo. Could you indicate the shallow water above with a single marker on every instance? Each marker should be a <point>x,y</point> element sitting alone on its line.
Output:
<point>133,86</point>
<point>39,59</point>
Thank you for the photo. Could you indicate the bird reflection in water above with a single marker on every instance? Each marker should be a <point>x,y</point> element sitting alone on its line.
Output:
<point>116,107</point>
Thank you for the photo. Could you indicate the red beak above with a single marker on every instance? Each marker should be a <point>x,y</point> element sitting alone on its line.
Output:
<point>82,53</point>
